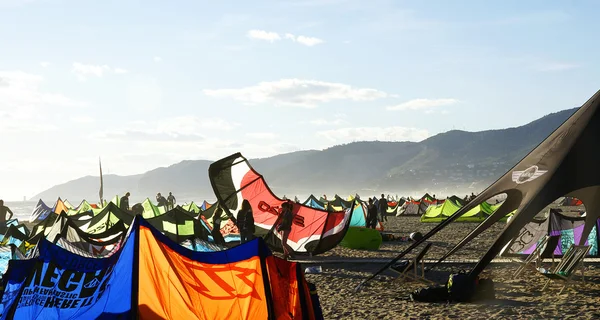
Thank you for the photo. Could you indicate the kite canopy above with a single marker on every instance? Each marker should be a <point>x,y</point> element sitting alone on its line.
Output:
<point>40,212</point>
<point>191,207</point>
<point>179,225</point>
<point>313,202</point>
<point>441,212</point>
<point>60,207</point>
<point>152,277</point>
<point>313,231</point>
<point>416,207</point>
<point>570,230</point>
<point>340,203</point>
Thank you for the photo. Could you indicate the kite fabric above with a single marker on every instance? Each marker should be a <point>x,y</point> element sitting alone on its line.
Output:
<point>314,203</point>
<point>40,212</point>
<point>59,284</point>
<point>314,231</point>
<point>152,277</point>
<point>570,230</point>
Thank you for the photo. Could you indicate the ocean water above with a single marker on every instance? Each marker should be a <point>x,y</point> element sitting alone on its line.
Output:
<point>21,209</point>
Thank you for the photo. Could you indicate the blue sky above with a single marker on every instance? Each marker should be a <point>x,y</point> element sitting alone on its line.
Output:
<point>150,83</point>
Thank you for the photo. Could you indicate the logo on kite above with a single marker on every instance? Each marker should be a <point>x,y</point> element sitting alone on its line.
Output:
<point>224,282</point>
<point>276,210</point>
<point>92,284</point>
<point>527,175</point>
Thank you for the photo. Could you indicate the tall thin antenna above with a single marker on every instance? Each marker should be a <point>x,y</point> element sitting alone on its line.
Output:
<point>101,192</point>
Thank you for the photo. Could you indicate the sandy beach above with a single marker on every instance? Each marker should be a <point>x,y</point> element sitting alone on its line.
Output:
<point>385,298</point>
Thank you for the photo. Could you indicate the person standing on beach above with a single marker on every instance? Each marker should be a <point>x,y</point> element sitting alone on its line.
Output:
<point>383,206</point>
<point>162,202</point>
<point>124,202</point>
<point>285,228</point>
<point>171,200</point>
<point>216,230</point>
<point>371,214</point>
<point>245,222</point>
<point>3,212</point>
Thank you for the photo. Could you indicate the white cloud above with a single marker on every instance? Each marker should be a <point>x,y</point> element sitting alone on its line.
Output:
<point>193,124</point>
<point>19,89</point>
<point>44,64</point>
<point>82,119</point>
<point>346,135</point>
<point>274,36</point>
<point>320,122</point>
<point>148,136</point>
<point>308,41</point>
<point>23,103</point>
<point>423,104</point>
<point>297,92</point>
<point>82,71</point>
<point>157,59</point>
<point>28,126</point>
<point>175,129</point>
<point>556,66</point>
<point>262,135</point>
<point>264,35</point>
<point>328,122</point>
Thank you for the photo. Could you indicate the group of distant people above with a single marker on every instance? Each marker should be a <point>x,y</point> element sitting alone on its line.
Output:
<point>470,198</point>
<point>169,203</point>
<point>376,213</point>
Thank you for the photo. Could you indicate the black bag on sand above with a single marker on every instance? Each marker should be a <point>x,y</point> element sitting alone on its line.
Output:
<point>387,236</point>
<point>430,294</point>
<point>461,287</point>
<point>485,290</point>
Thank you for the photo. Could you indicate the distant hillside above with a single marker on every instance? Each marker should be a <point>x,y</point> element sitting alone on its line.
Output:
<point>448,163</point>
<point>88,188</point>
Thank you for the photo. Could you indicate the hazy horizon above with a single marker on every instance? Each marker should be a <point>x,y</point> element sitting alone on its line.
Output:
<point>149,86</point>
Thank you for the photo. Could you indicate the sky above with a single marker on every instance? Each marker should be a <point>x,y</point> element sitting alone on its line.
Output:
<point>144,84</point>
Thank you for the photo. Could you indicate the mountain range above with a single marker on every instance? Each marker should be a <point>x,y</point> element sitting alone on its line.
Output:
<point>454,162</point>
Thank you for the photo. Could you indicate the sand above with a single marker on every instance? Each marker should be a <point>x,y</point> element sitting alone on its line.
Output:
<point>387,298</point>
